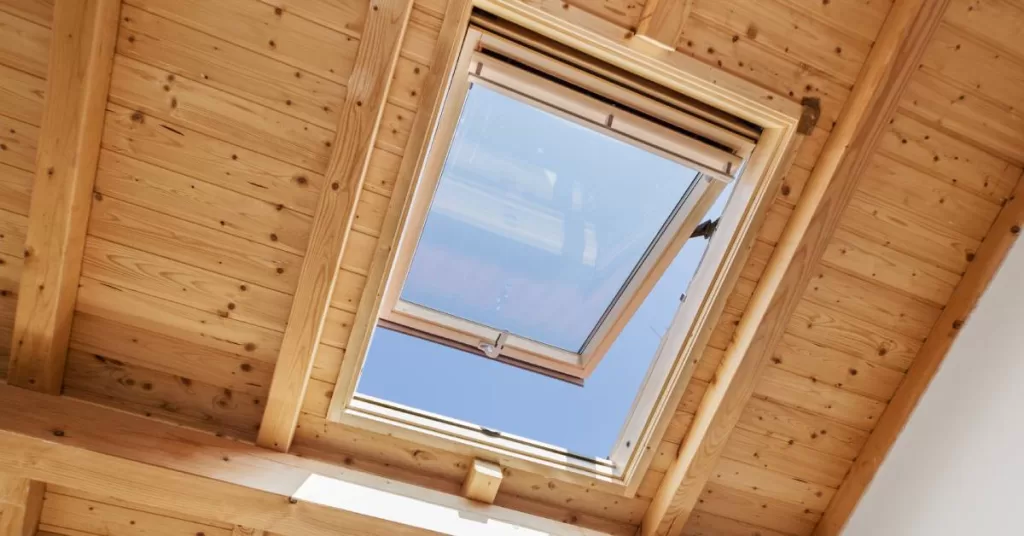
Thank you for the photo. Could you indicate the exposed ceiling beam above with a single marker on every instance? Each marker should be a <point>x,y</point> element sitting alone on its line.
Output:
<point>662,21</point>
<point>78,76</point>
<point>357,131</point>
<point>893,59</point>
<point>167,467</point>
<point>21,502</point>
<point>987,260</point>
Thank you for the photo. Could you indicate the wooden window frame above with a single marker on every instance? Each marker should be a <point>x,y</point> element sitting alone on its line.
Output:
<point>658,72</point>
<point>477,66</point>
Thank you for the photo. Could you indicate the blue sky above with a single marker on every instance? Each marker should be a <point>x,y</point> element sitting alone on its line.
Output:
<point>532,230</point>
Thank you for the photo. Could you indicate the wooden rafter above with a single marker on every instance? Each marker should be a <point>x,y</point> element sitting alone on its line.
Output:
<point>662,21</point>
<point>21,502</point>
<point>175,469</point>
<point>360,121</point>
<point>980,272</point>
<point>885,75</point>
<point>78,77</point>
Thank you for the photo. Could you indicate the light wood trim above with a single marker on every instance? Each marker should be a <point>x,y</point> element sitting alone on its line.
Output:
<point>987,260</point>
<point>21,502</point>
<point>368,86</point>
<point>482,482</point>
<point>166,467</point>
<point>873,101</point>
<point>78,77</point>
<point>453,28</point>
<point>662,21</point>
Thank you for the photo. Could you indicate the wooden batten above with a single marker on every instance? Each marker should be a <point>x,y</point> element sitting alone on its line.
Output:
<point>989,257</point>
<point>482,482</point>
<point>78,77</point>
<point>873,101</point>
<point>662,21</point>
<point>357,132</point>
<point>21,502</point>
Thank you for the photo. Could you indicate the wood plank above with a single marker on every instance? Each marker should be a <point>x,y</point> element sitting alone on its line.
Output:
<point>834,329</point>
<point>713,43</point>
<point>170,319</point>
<point>662,21</point>
<point>792,34</point>
<point>21,502</point>
<point>882,265</point>
<point>762,482</point>
<point>95,517</point>
<point>941,155</point>
<point>180,100</point>
<point>79,494</point>
<point>818,397</point>
<point>990,126</point>
<point>705,524</point>
<point>155,465</point>
<point>202,247</point>
<point>18,143</point>
<point>482,482</point>
<point>165,191</point>
<point>15,189</point>
<point>21,95</point>
<point>220,64</point>
<point>129,268</point>
<point>12,233</point>
<point>37,11</point>
<point>178,399</point>
<point>289,39</point>
<point>761,512</point>
<point>998,22</point>
<point>990,256</point>
<point>860,17</point>
<point>25,45</point>
<point>775,420</point>
<point>65,170</point>
<point>871,303</point>
<point>202,157</point>
<point>794,460</point>
<point>361,120</point>
<point>835,368</point>
<point>905,34</point>
<point>170,355</point>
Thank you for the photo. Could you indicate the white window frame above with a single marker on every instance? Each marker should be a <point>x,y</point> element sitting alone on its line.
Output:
<point>658,72</point>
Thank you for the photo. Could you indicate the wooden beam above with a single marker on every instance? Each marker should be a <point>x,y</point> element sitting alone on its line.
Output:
<point>78,76</point>
<point>360,121</point>
<point>177,469</point>
<point>21,502</point>
<point>662,21</point>
<point>987,260</point>
<point>900,44</point>
<point>435,86</point>
<point>482,482</point>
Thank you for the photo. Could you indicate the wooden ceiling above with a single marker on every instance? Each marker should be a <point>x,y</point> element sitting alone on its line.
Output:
<point>221,123</point>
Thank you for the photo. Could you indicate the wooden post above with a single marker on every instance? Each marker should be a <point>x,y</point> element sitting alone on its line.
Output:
<point>883,79</point>
<point>21,501</point>
<point>360,120</point>
<point>78,77</point>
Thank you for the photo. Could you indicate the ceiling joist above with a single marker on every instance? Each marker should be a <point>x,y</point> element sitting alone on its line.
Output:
<point>78,77</point>
<point>175,469</point>
<point>884,77</point>
<point>360,121</point>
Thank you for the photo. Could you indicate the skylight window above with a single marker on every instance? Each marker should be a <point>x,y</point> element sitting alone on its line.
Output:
<point>549,214</point>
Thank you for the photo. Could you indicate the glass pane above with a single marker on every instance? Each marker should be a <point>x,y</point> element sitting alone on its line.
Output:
<point>537,222</point>
<point>585,420</point>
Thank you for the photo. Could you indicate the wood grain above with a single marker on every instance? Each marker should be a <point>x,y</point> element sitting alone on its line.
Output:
<point>361,116</point>
<point>65,168</point>
<point>21,502</point>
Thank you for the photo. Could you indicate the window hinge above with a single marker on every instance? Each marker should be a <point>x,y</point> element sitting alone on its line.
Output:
<point>493,349</point>
<point>705,229</point>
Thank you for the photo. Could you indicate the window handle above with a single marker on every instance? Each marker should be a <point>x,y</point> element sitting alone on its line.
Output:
<point>493,349</point>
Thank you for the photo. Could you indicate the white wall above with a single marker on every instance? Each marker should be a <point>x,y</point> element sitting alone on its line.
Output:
<point>958,467</point>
